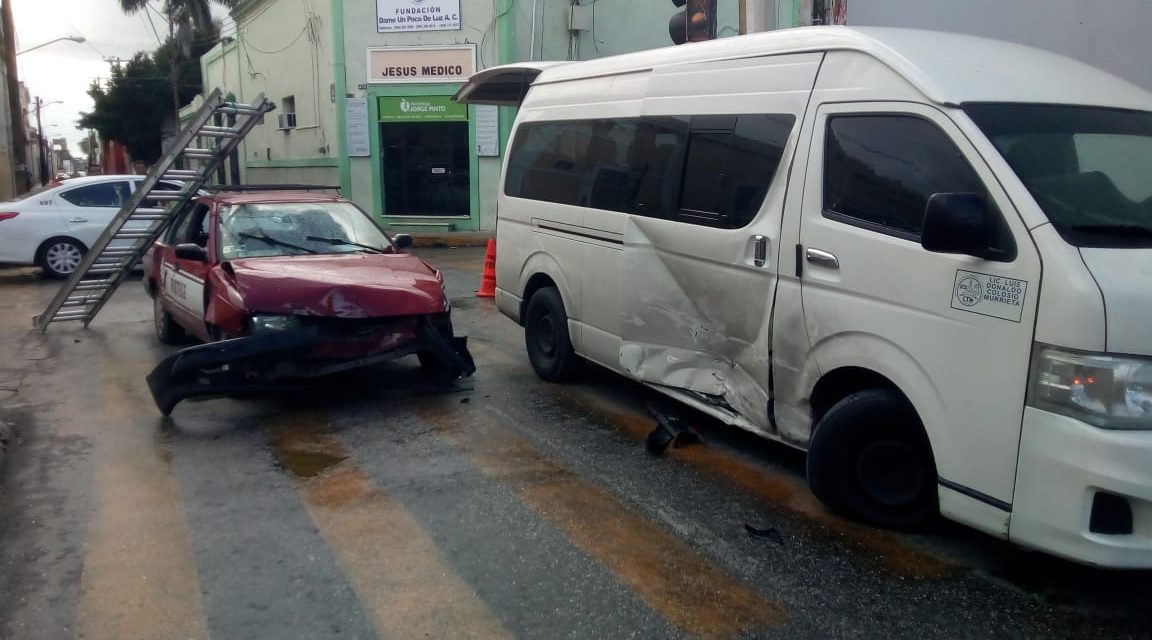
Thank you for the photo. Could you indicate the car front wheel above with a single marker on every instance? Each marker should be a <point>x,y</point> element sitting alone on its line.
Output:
<point>59,257</point>
<point>870,459</point>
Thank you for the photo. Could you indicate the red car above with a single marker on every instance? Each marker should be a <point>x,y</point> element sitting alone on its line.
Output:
<point>289,285</point>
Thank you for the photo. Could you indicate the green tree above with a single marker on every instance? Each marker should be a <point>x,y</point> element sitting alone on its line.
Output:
<point>136,101</point>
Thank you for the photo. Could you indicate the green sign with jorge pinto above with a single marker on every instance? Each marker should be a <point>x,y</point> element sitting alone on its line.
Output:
<point>420,109</point>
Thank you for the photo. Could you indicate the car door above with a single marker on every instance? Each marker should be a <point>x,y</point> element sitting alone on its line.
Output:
<point>181,282</point>
<point>953,332</point>
<point>25,224</point>
<point>88,209</point>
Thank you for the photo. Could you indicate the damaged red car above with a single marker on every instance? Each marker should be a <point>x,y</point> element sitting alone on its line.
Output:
<point>283,286</point>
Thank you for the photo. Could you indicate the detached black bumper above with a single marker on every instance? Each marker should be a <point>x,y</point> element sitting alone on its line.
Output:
<point>276,362</point>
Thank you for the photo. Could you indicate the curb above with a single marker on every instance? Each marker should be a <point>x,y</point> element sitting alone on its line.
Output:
<point>459,239</point>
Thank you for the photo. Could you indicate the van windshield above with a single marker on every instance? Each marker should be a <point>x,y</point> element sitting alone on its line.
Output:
<point>1089,168</point>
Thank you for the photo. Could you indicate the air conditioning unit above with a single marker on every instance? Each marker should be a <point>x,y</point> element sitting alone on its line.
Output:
<point>286,121</point>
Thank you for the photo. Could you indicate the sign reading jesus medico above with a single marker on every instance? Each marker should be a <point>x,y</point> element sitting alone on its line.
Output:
<point>417,15</point>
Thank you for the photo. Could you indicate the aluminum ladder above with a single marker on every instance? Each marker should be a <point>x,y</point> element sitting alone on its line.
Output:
<point>135,227</point>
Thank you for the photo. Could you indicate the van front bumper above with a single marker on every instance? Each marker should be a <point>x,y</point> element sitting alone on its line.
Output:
<point>1067,470</point>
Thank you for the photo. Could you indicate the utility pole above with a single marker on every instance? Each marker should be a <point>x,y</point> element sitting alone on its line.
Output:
<point>16,110</point>
<point>40,143</point>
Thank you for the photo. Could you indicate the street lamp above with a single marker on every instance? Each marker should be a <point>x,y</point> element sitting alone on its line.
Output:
<point>40,142</point>
<point>72,38</point>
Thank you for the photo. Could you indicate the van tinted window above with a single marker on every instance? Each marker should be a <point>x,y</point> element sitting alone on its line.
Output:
<point>711,170</point>
<point>881,170</point>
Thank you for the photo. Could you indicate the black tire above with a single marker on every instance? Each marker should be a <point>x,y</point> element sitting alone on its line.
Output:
<point>870,459</point>
<point>59,257</point>
<point>546,337</point>
<point>167,331</point>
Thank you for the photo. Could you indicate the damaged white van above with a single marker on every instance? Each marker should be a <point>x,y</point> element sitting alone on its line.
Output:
<point>924,258</point>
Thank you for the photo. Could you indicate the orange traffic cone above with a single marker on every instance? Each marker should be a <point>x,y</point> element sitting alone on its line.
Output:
<point>488,280</point>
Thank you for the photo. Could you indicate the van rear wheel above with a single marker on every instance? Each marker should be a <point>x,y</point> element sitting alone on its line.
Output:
<point>546,336</point>
<point>870,459</point>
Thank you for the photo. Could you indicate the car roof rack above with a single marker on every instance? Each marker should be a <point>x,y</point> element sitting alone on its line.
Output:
<point>273,187</point>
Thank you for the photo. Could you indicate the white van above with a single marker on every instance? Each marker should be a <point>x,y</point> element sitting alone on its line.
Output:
<point>924,258</point>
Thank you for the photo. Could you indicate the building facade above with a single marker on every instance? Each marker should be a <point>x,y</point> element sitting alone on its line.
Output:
<point>364,88</point>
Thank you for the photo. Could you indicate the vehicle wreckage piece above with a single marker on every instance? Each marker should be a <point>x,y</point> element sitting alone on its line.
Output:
<point>669,431</point>
<point>277,362</point>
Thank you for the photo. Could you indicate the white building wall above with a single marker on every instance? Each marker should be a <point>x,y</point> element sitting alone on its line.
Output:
<point>1111,35</point>
<point>284,48</point>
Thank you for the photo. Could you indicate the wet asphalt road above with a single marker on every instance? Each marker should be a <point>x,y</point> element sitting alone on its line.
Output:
<point>381,505</point>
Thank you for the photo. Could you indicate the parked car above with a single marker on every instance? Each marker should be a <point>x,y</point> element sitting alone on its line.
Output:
<point>289,285</point>
<point>53,226</point>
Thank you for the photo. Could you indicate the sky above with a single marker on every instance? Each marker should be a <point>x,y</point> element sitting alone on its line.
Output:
<point>63,71</point>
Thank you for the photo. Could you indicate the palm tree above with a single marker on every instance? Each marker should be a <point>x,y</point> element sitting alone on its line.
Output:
<point>185,17</point>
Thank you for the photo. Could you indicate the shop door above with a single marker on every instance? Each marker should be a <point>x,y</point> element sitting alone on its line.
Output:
<point>425,168</point>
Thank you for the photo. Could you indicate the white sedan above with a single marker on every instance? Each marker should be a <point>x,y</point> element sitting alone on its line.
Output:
<point>53,226</point>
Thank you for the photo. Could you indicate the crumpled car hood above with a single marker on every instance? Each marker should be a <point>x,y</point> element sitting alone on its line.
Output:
<point>354,285</point>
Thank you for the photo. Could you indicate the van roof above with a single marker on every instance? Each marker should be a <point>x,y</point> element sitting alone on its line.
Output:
<point>948,68</point>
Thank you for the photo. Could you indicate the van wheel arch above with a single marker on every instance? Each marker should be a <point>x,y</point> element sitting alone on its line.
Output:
<point>535,283</point>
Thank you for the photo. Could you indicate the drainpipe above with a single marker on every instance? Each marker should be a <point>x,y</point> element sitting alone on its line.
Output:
<point>532,43</point>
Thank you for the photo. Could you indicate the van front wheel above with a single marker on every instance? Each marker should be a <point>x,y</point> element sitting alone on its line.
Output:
<point>870,459</point>
<point>546,336</point>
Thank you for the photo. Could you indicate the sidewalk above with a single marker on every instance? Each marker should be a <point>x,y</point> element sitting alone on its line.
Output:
<point>451,239</point>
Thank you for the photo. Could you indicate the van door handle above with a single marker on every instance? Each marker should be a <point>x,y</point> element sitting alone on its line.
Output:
<point>822,258</point>
<point>759,250</point>
<point>77,220</point>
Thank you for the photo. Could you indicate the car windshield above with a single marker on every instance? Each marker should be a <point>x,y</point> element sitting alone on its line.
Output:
<point>1089,168</point>
<point>280,229</point>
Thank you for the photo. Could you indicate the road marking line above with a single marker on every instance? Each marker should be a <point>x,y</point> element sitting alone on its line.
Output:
<point>139,576</point>
<point>677,582</point>
<point>400,577</point>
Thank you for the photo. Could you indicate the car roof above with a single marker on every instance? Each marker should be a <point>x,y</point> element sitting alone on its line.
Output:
<point>83,180</point>
<point>948,68</point>
<point>267,197</point>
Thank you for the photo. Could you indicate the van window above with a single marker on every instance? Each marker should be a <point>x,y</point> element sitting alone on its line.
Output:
<point>709,170</point>
<point>880,170</point>
<point>731,161</point>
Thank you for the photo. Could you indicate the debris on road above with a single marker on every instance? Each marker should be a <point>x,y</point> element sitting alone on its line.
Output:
<point>771,534</point>
<point>670,431</point>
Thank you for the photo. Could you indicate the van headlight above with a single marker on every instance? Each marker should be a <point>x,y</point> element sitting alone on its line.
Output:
<point>1109,391</point>
<point>268,323</point>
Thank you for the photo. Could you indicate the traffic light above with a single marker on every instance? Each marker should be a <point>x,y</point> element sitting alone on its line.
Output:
<point>696,23</point>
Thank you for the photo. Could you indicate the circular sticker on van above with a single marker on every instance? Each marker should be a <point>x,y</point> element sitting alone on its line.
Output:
<point>969,291</point>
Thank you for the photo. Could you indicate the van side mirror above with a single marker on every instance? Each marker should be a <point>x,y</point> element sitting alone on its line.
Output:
<point>402,240</point>
<point>963,223</point>
<point>190,251</point>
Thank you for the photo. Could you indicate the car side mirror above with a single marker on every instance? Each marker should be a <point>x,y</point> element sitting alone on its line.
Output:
<point>402,240</point>
<point>963,223</point>
<point>190,251</point>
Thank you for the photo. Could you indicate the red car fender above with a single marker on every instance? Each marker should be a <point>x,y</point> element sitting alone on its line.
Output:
<point>225,308</point>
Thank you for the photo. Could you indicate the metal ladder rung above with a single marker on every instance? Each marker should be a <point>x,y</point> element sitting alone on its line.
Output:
<point>180,174</point>
<point>93,287</point>
<point>80,303</point>
<point>218,132</point>
<point>165,196</point>
<point>152,217</point>
<point>199,154</point>
<point>232,107</point>
<point>102,269</point>
<point>146,211</point>
<point>77,314</point>
<point>132,235</point>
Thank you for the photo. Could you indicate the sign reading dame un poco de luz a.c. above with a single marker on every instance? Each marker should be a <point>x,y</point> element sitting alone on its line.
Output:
<point>417,15</point>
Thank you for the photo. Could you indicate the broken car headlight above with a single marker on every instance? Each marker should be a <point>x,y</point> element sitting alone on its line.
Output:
<point>267,323</point>
<point>1109,391</point>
